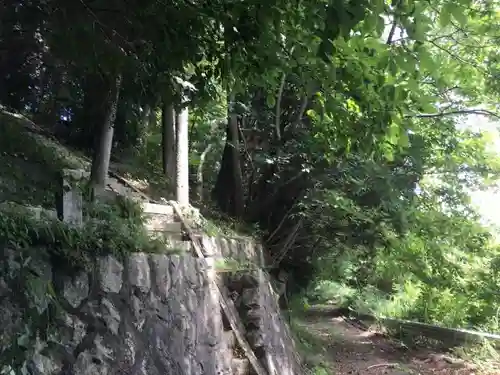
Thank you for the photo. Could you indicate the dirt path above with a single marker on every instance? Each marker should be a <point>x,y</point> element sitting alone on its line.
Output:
<point>342,348</point>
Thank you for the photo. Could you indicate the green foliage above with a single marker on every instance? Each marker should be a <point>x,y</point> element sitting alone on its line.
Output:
<point>221,225</point>
<point>34,307</point>
<point>361,174</point>
<point>115,229</point>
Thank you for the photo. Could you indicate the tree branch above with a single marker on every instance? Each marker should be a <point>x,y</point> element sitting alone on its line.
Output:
<point>278,108</point>
<point>392,31</point>
<point>483,112</point>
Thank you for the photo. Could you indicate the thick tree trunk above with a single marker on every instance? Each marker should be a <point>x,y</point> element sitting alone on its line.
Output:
<point>93,114</point>
<point>168,140</point>
<point>102,154</point>
<point>228,190</point>
<point>182,150</point>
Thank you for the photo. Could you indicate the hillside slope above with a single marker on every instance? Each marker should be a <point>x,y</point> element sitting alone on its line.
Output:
<point>31,160</point>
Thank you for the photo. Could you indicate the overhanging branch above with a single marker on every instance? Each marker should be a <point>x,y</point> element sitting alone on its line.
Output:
<point>482,112</point>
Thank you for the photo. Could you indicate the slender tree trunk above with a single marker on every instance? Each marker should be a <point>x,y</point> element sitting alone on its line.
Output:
<point>102,154</point>
<point>223,190</point>
<point>234,140</point>
<point>199,173</point>
<point>145,121</point>
<point>168,140</point>
<point>182,151</point>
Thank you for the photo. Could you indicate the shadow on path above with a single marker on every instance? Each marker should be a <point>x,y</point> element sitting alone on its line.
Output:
<point>342,348</point>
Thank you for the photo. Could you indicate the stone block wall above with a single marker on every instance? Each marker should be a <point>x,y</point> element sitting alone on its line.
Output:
<point>267,331</point>
<point>282,357</point>
<point>152,314</point>
<point>243,250</point>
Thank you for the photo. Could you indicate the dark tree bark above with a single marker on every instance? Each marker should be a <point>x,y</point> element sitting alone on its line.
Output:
<point>92,115</point>
<point>238,195</point>
<point>102,154</point>
<point>228,190</point>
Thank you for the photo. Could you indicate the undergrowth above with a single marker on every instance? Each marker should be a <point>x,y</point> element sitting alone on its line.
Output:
<point>110,229</point>
<point>159,186</point>
<point>465,300</point>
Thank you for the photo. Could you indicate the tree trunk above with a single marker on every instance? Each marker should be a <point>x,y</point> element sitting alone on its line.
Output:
<point>239,207</point>
<point>93,113</point>
<point>168,140</point>
<point>102,154</point>
<point>144,125</point>
<point>223,190</point>
<point>182,151</point>
<point>199,173</point>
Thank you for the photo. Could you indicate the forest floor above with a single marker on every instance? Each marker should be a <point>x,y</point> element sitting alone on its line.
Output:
<point>337,346</point>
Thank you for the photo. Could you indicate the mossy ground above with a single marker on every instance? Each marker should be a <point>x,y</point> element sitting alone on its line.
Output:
<point>30,163</point>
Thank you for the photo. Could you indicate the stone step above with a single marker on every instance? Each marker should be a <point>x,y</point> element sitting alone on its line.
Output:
<point>166,236</point>
<point>240,366</point>
<point>153,208</point>
<point>174,244</point>
<point>161,224</point>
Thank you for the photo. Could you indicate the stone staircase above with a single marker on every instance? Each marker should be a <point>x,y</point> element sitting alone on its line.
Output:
<point>162,222</point>
<point>258,340</point>
<point>248,291</point>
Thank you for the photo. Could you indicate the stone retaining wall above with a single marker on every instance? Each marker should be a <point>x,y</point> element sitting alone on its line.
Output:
<point>267,332</point>
<point>153,314</point>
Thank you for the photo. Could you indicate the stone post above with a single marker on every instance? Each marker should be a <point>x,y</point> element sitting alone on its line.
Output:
<point>70,205</point>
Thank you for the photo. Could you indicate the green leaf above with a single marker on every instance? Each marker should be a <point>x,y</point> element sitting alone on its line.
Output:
<point>270,100</point>
<point>426,60</point>
<point>445,16</point>
<point>392,67</point>
<point>458,13</point>
<point>403,140</point>
<point>311,113</point>
<point>388,152</point>
<point>383,61</point>
<point>403,63</point>
<point>428,107</point>
<point>393,134</point>
<point>379,26</point>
